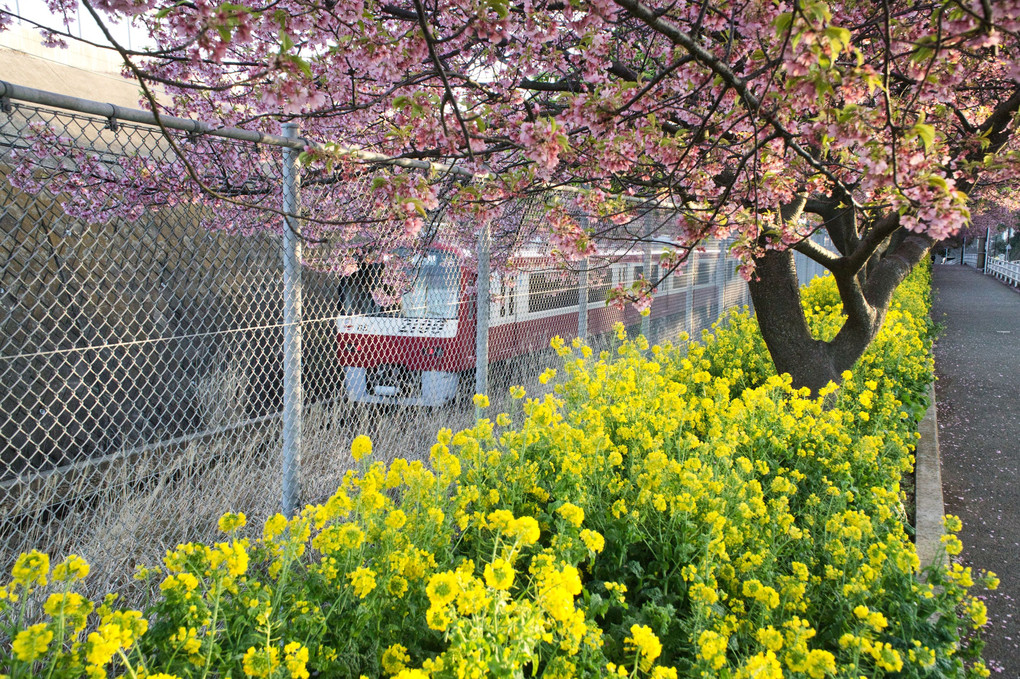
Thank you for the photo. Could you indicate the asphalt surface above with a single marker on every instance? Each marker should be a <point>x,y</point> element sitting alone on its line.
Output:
<point>977,363</point>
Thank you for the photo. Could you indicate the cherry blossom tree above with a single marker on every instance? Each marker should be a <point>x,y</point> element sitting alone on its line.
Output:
<point>761,121</point>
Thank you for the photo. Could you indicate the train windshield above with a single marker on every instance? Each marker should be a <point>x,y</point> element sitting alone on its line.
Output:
<point>434,288</point>
<point>431,290</point>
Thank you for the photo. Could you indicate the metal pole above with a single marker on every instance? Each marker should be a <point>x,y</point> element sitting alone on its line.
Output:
<point>987,248</point>
<point>692,279</point>
<point>292,391</point>
<point>646,321</point>
<point>582,290</point>
<point>482,316</point>
<point>720,278</point>
<point>582,300</point>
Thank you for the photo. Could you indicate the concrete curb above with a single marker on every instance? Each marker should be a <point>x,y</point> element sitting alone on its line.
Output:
<point>929,508</point>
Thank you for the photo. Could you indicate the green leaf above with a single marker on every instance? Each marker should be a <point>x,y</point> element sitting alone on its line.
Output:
<point>838,37</point>
<point>500,8</point>
<point>419,206</point>
<point>926,133</point>
<point>286,43</point>
<point>306,69</point>
<point>783,22</point>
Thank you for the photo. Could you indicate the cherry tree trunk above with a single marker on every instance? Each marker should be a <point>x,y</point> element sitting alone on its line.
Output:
<point>775,292</point>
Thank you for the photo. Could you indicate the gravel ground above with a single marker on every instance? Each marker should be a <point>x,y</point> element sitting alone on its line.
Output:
<point>977,363</point>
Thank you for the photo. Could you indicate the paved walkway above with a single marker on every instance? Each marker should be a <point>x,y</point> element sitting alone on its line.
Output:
<point>977,361</point>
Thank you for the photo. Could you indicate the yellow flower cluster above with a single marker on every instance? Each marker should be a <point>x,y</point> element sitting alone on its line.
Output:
<point>668,511</point>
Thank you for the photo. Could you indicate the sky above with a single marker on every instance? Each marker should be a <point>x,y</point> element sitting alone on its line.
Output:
<point>84,26</point>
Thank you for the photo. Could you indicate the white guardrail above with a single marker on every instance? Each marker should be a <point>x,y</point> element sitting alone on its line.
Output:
<point>1008,272</point>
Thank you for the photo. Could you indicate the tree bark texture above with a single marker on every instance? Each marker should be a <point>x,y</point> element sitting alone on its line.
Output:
<point>866,275</point>
<point>775,292</point>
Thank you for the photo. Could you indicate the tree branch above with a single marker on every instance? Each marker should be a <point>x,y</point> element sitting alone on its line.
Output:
<point>895,267</point>
<point>430,43</point>
<point>399,12</point>
<point>815,252</point>
<point>703,56</point>
<point>867,246</point>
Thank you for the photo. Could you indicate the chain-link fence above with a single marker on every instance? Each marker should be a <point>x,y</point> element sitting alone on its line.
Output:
<point>144,352</point>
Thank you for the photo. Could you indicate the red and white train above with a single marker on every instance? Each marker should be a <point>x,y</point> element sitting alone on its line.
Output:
<point>421,350</point>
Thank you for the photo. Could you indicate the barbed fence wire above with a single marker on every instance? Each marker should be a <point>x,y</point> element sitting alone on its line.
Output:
<point>144,358</point>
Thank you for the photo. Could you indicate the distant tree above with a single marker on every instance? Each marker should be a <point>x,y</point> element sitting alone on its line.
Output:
<point>881,121</point>
<point>1001,225</point>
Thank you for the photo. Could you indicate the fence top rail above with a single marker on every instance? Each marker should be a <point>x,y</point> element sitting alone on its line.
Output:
<point>114,112</point>
<point>31,95</point>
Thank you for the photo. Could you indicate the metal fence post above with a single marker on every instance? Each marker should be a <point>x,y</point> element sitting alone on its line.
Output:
<point>482,316</point>
<point>692,280</point>
<point>983,255</point>
<point>646,321</point>
<point>720,278</point>
<point>582,300</point>
<point>292,391</point>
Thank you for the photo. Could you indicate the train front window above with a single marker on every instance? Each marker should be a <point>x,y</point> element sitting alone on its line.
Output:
<point>432,287</point>
<point>359,293</point>
<point>435,287</point>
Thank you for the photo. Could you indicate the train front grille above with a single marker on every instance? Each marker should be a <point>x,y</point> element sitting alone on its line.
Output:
<point>393,380</point>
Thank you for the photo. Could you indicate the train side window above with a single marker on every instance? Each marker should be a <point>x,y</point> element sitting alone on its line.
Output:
<point>504,289</point>
<point>703,269</point>
<point>553,290</point>
<point>679,277</point>
<point>599,283</point>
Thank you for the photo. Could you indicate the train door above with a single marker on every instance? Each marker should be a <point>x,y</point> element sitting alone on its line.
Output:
<point>504,316</point>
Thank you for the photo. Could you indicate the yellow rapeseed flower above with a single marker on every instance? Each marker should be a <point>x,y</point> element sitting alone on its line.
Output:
<point>712,648</point>
<point>31,643</point>
<point>525,529</point>
<point>31,568</point>
<point>295,658</point>
<point>572,513</point>
<point>361,447</point>
<point>230,522</point>
<point>395,659</point>
<point>442,588</point>
<point>412,674</point>
<point>363,581</point>
<point>72,606</point>
<point>593,540</point>
<point>71,569</point>
<point>643,641</point>
<point>499,575</point>
<point>260,662</point>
